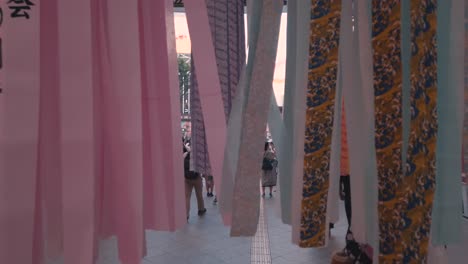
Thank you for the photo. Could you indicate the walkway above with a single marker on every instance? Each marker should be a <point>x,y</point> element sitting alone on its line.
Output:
<point>206,241</point>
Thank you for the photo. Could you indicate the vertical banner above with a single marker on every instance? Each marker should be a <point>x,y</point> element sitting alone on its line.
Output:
<point>162,157</point>
<point>49,168</point>
<point>246,187</point>
<point>226,18</point>
<point>19,107</point>
<point>298,115</point>
<point>123,127</point>
<point>77,129</point>
<point>447,222</point>
<point>417,198</point>
<point>323,73</point>
<point>285,174</point>
<point>386,23</point>
<point>209,85</point>
<point>361,133</point>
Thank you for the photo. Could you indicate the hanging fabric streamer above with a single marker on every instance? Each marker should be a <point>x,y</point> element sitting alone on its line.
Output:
<point>297,110</point>
<point>226,19</point>
<point>105,222</point>
<point>417,198</point>
<point>359,104</point>
<point>160,100</point>
<point>298,25</point>
<point>76,126</point>
<point>465,109</point>
<point>50,167</point>
<point>335,155</point>
<point>405,238</point>
<point>285,168</point>
<point>214,118</point>
<point>446,223</point>
<point>231,152</point>
<point>386,20</point>
<point>119,68</point>
<point>323,73</point>
<point>19,107</point>
<point>246,199</point>
<point>361,130</point>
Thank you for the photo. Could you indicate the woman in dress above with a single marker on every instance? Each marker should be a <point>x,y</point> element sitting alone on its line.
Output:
<point>269,168</point>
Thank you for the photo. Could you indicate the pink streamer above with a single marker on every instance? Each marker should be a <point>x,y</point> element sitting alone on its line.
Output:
<point>163,174</point>
<point>89,123</point>
<point>77,131</point>
<point>49,167</point>
<point>209,85</point>
<point>123,120</point>
<point>19,105</point>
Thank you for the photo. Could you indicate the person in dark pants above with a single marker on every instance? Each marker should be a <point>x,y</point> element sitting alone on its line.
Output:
<point>345,194</point>
<point>193,180</point>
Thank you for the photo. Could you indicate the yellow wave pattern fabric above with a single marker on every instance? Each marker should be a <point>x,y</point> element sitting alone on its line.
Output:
<point>419,182</point>
<point>322,77</point>
<point>386,35</point>
<point>405,196</point>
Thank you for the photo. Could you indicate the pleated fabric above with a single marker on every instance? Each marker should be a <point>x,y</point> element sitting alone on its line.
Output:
<point>298,91</point>
<point>19,119</point>
<point>386,20</point>
<point>417,197</point>
<point>285,169</point>
<point>49,167</point>
<point>323,72</point>
<point>297,43</point>
<point>122,137</point>
<point>465,121</point>
<point>246,196</point>
<point>336,162</point>
<point>231,152</point>
<point>163,204</point>
<point>75,108</point>
<point>406,202</point>
<point>358,94</point>
<point>226,20</point>
<point>209,85</point>
<point>446,223</point>
<point>83,156</point>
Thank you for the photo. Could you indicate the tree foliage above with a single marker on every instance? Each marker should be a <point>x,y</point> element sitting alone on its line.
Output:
<point>184,81</point>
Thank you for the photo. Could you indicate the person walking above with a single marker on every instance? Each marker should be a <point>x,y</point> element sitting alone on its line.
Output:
<point>193,180</point>
<point>269,168</point>
<point>209,183</point>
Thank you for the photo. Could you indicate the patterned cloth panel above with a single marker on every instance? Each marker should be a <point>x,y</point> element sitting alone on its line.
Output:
<point>227,27</point>
<point>323,69</point>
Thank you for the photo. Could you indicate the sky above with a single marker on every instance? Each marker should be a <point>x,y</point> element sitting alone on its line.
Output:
<point>183,46</point>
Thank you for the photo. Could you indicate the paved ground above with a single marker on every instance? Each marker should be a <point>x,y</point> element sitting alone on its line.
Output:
<point>206,241</point>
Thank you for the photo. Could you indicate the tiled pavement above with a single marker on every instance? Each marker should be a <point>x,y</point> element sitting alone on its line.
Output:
<point>206,241</point>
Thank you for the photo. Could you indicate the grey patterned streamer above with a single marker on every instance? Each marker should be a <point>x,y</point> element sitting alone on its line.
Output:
<point>227,28</point>
<point>262,56</point>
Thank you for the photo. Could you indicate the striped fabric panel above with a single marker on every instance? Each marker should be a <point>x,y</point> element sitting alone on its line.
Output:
<point>323,68</point>
<point>465,130</point>
<point>386,20</point>
<point>416,199</point>
<point>227,27</point>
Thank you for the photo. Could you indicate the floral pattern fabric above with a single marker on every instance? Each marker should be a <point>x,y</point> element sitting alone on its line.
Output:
<point>322,78</point>
<point>386,33</point>
<point>405,196</point>
<point>226,19</point>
